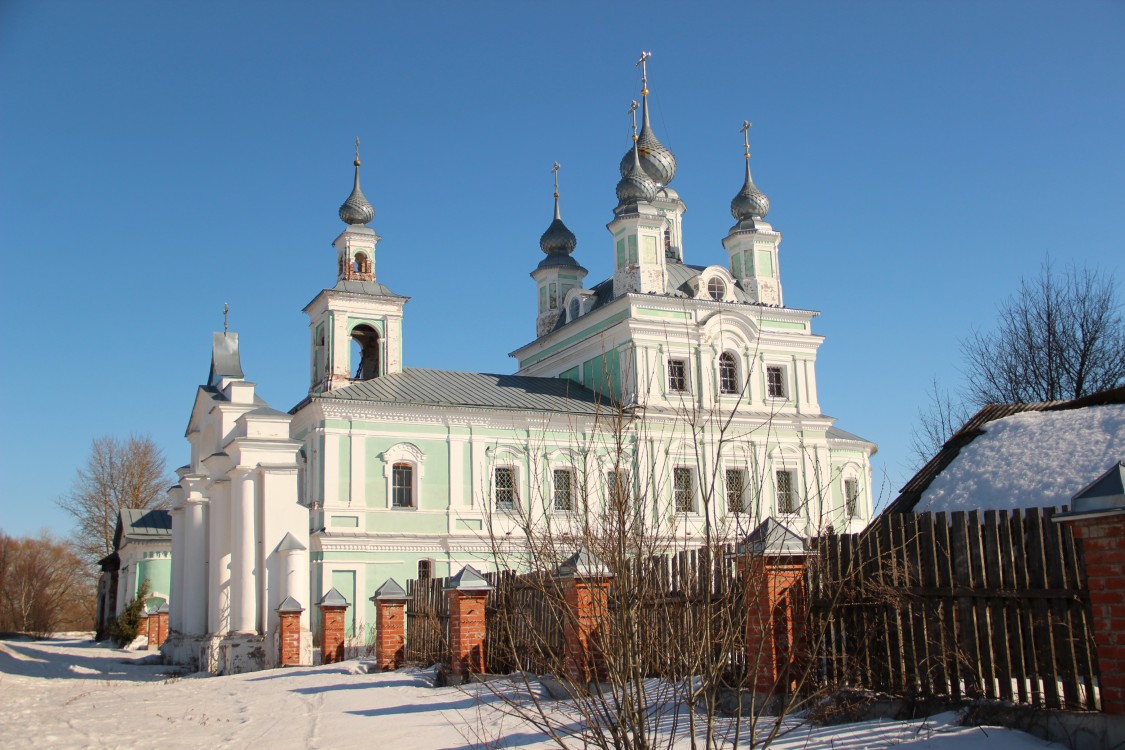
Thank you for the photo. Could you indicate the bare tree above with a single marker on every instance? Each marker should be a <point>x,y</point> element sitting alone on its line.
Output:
<point>943,416</point>
<point>1057,338</point>
<point>40,581</point>
<point>118,474</point>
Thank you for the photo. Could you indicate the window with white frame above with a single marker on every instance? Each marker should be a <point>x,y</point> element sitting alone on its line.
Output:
<point>775,381</point>
<point>425,569</point>
<point>736,490</point>
<point>716,288</point>
<point>786,488</point>
<point>564,489</point>
<point>677,374</point>
<point>683,489</point>
<point>617,488</point>
<point>851,497</point>
<point>504,487</point>
<point>402,485</point>
<point>728,373</point>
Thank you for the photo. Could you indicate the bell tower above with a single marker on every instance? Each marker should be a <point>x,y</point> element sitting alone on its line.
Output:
<point>356,326</point>
<point>558,273</point>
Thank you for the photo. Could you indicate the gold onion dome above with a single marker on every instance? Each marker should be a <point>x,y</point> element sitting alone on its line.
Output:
<point>356,209</point>
<point>750,203</point>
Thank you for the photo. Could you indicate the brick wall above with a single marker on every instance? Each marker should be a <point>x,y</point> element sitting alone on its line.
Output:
<point>390,633</point>
<point>466,631</point>
<point>583,629</point>
<point>331,634</point>
<point>775,617</point>
<point>290,634</point>
<point>1104,553</point>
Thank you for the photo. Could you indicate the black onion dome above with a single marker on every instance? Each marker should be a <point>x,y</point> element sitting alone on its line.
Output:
<point>635,186</point>
<point>750,203</point>
<point>558,238</point>
<point>656,160</point>
<point>356,209</point>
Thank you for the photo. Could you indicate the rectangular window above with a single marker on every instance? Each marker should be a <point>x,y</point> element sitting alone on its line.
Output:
<point>425,569</point>
<point>683,490</point>
<point>649,249</point>
<point>765,263</point>
<point>621,253</point>
<point>786,495</point>
<point>553,297</point>
<point>564,489</point>
<point>504,485</point>
<point>677,375</point>
<point>617,488</point>
<point>736,489</point>
<point>402,486</point>
<point>736,265</point>
<point>632,249</point>
<point>542,299</point>
<point>775,382</point>
<point>851,497</point>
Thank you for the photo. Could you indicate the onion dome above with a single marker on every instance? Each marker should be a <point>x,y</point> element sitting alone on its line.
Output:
<point>657,161</point>
<point>558,242</point>
<point>636,186</point>
<point>750,203</point>
<point>356,209</point>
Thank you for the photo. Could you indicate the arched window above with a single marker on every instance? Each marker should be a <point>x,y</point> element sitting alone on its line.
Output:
<point>575,308</point>
<point>365,352</point>
<point>728,373</point>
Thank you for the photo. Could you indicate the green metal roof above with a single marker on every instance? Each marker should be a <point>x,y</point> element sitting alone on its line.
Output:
<point>416,386</point>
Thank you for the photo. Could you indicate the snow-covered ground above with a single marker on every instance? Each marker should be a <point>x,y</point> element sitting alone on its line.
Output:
<point>74,693</point>
<point>1032,459</point>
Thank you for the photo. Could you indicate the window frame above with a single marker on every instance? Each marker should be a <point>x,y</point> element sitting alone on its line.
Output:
<point>513,504</point>
<point>396,486</point>
<point>680,363</point>
<point>851,500</point>
<point>678,500</point>
<point>735,386</point>
<point>570,486</point>
<point>782,383</point>
<point>412,455</point>
<point>790,494</point>
<point>737,507</point>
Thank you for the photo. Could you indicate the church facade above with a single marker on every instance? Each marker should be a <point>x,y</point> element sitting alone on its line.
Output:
<point>690,388</point>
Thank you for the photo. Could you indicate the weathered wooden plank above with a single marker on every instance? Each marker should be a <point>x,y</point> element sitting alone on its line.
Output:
<point>1038,578</point>
<point>993,580</point>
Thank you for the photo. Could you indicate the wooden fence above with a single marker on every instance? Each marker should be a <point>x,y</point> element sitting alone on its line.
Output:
<point>990,604</point>
<point>966,604</point>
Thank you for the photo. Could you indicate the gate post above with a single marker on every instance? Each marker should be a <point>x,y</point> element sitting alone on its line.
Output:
<point>772,566</point>
<point>332,609</point>
<point>585,581</point>
<point>1097,517</point>
<point>467,592</point>
<point>390,625</point>
<point>162,625</point>
<point>289,631</point>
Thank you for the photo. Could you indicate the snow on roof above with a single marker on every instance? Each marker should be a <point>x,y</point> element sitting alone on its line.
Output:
<point>1031,459</point>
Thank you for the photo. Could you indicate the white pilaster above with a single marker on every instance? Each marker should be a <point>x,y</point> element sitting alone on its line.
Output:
<point>218,610</point>
<point>242,619</point>
<point>176,595</point>
<point>195,568</point>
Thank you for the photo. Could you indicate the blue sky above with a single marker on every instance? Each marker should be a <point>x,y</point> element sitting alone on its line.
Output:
<point>158,160</point>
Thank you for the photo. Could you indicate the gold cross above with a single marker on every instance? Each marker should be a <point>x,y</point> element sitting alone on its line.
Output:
<point>643,65</point>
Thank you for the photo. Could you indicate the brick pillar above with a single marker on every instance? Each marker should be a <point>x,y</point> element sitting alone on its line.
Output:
<point>1104,555</point>
<point>585,586</point>
<point>467,593</point>
<point>332,610</point>
<point>161,625</point>
<point>772,565</point>
<point>289,632</point>
<point>390,625</point>
<point>145,627</point>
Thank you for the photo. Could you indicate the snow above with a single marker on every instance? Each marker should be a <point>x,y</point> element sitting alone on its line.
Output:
<point>70,693</point>
<point>1032,459</point>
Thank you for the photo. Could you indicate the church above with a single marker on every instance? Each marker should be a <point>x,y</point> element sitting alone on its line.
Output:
<point>690,389</point>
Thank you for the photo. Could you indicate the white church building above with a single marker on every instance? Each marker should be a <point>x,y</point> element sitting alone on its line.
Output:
<point>386,471</point>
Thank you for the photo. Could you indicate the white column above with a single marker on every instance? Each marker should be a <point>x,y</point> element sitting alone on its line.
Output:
<point>176,595</point>
<point>218,615</point>
<point>242,608</point>
<point>195,569</point>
